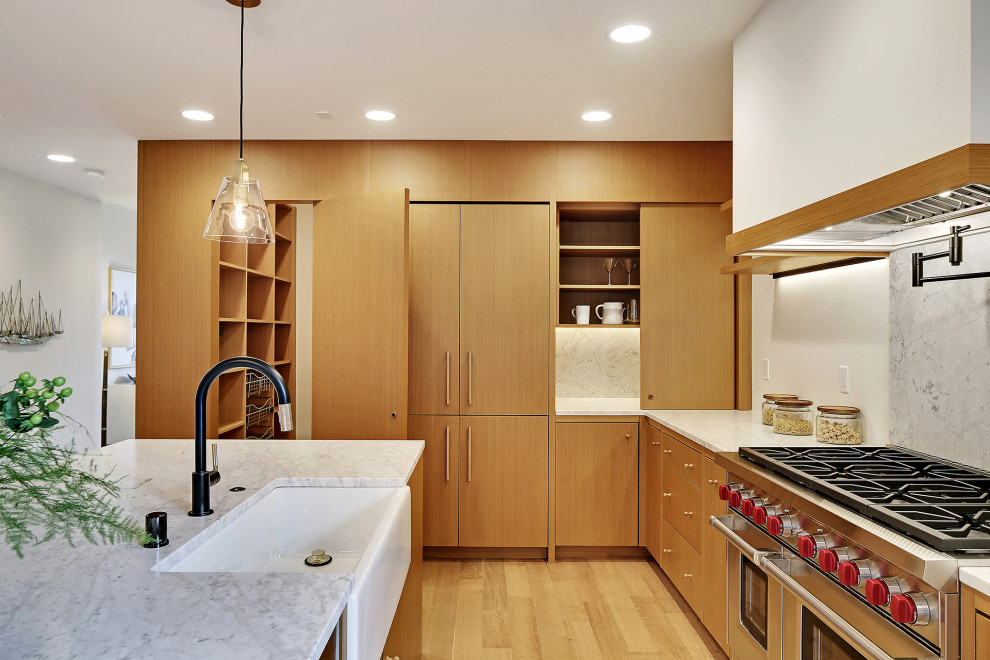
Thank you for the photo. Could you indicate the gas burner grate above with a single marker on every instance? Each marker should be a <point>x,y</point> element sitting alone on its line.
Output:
<point>949,527</point>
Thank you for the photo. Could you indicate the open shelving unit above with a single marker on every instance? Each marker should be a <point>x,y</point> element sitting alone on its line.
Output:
<point>257,309</point>
<point>588,232</point>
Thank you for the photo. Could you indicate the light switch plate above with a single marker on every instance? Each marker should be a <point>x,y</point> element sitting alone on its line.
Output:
<point>844,380</point>
<point>766,369</point>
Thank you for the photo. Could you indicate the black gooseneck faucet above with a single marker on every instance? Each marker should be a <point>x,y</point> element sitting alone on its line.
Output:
<point>202,478</point>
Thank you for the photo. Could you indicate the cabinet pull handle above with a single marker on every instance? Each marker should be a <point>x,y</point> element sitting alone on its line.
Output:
<point>448,378</point>
<point>469,454</point>
<point>666,494</point>
<point>666,451</point>
<point>688,575</point>
<point>656,444</point>
<point>448,454</point>
<point>666,550</point>
<point>713,482</point>
<point>689,465</point>
<point>628,436</point>
<point>470,381</point>
<point>689,513</point>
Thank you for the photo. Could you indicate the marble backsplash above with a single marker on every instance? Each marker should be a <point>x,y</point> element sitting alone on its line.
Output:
<point>940,356</point>
<point>597,362</point>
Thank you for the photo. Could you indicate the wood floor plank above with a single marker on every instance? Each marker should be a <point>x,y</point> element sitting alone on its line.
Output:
<point>532,610</point>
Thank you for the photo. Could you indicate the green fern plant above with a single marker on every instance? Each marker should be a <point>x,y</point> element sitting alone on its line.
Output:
<point>46,490</point>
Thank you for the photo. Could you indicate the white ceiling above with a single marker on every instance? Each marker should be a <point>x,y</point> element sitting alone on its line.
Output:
<point>89,79</point>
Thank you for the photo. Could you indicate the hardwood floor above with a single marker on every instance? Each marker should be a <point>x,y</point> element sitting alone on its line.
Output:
<point>530,610</point>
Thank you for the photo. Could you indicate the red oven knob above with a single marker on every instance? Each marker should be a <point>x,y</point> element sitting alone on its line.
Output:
<point>851,573</point>
<point>746,506</point>
<point>808,545</point>
<point>877,592</point>
<point>911,608</point>
<point>775,525</point>
<point>828,560</point>
<point>760,515</point>
<point>736,497</point>
<point>723,491</point>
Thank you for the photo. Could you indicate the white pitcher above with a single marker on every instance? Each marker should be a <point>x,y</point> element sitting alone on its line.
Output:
<point>614,313</point>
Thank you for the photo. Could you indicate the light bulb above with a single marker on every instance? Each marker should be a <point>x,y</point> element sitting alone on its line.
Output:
<point>239,219</point>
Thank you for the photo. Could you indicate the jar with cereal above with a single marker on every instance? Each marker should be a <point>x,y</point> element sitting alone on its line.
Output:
<point>839,425</point>
<point>770,404</point>
<point>793,417</point>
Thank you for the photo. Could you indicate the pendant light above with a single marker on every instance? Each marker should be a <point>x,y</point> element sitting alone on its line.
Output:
<point>240,215</point>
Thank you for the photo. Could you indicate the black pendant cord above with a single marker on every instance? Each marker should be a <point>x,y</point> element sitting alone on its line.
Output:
<point>242,81</point>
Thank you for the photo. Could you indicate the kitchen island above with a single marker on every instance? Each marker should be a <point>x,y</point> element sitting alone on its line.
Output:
<point>107,602</point>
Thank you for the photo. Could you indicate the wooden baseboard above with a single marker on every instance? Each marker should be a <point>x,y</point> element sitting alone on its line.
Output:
<point>601,552</point>
<point>441,552</point>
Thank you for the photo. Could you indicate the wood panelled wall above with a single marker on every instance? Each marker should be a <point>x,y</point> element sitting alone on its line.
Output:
<point>177,181</point>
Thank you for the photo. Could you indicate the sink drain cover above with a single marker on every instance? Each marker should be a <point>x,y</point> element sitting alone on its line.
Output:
<point>318,558</point>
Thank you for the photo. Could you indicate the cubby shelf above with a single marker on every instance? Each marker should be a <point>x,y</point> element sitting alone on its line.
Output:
<point>599,287</point>
<point>256,304</point>
<point>599,250</point>
<point>597,325</point>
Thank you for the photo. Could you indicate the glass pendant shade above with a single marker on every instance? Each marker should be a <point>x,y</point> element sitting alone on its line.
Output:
<point>239,215</point>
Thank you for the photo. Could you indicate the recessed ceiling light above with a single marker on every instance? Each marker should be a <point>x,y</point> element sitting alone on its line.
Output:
<point>596,115</point>
<point>628,34</point>
<point>324,114</point>
<point>197,115</point>
<point>380,115</point>
<point>947,193</point>
<point>59,158</point>
<point>96,174</point>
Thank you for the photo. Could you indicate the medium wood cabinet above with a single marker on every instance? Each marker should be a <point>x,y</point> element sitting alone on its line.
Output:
<point>687,344</point>
<point>360,358</point>
<point>505,309</point>
<point>596,484</point>
<point>714,552</point>
<point>503,481</point>
<point>651,443</point>
<point>440,461</point>
<point>975,615</point>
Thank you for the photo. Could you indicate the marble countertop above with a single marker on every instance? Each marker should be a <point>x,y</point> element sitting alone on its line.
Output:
<point>106,602</point>
<point>715,430</point>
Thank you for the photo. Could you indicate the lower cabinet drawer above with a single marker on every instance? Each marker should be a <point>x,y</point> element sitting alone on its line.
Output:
<point>682,506</point>
<point>683,566</point>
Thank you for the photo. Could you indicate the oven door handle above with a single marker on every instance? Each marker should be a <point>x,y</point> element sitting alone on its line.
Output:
<point>825,612</point>
<point>721,525</point>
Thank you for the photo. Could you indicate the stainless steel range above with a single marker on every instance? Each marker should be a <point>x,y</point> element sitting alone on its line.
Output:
<point>849,552</point>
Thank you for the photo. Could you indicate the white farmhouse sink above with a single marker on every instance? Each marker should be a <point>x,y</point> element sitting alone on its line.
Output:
<point>367,531</point>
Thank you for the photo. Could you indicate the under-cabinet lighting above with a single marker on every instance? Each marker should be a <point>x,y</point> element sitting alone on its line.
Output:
<point>628,34</point>
<point>947,193</point>
<point>380,115</point>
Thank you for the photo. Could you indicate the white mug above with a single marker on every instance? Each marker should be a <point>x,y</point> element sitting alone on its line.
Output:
<point>582,313</point>
<point>613,315</point>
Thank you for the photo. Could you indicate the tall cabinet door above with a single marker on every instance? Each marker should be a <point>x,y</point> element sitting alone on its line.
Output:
<point>361,316</point>
<point>687,345</point>
<point>505,303</point>
<point>434,256</point>
<point>503,482</point>
<point>440,465</point>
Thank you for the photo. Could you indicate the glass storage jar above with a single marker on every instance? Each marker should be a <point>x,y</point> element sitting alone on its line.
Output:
<point>769,401</point>
<point>839,425</point>
<point>793,417</point>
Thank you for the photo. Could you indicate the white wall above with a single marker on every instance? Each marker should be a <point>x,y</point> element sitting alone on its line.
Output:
<point>830,94</point>
<point>51,242</point>
<point>809,325</point>
<point>118,249</point>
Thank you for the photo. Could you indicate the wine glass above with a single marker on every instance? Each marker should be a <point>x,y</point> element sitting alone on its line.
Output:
<point>628,264</point>
<point>609,263</point>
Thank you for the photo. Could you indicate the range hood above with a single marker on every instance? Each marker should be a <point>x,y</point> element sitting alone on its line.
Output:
<point>909,207</point>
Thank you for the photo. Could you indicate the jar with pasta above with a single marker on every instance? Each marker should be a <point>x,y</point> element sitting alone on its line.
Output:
<point>769,405</point>
<point>793,417</point>
<point>839,425</point>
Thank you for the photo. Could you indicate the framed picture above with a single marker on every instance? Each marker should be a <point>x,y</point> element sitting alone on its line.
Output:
<point>123,297</point>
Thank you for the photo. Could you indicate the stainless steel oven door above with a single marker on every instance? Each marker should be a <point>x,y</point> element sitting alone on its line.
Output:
<point>754,601</point>
<point>821,621</point>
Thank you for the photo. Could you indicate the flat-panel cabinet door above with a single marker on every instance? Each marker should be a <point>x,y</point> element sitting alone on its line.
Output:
<point>652,441</point>
<point>597,477</point>
<point>439,476</point>
<point>687,342</point>
<point>714,552</point>
<point>505,309</point>
<point>361,316</point>
<point>503,482</point>
<point>434,282</point>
